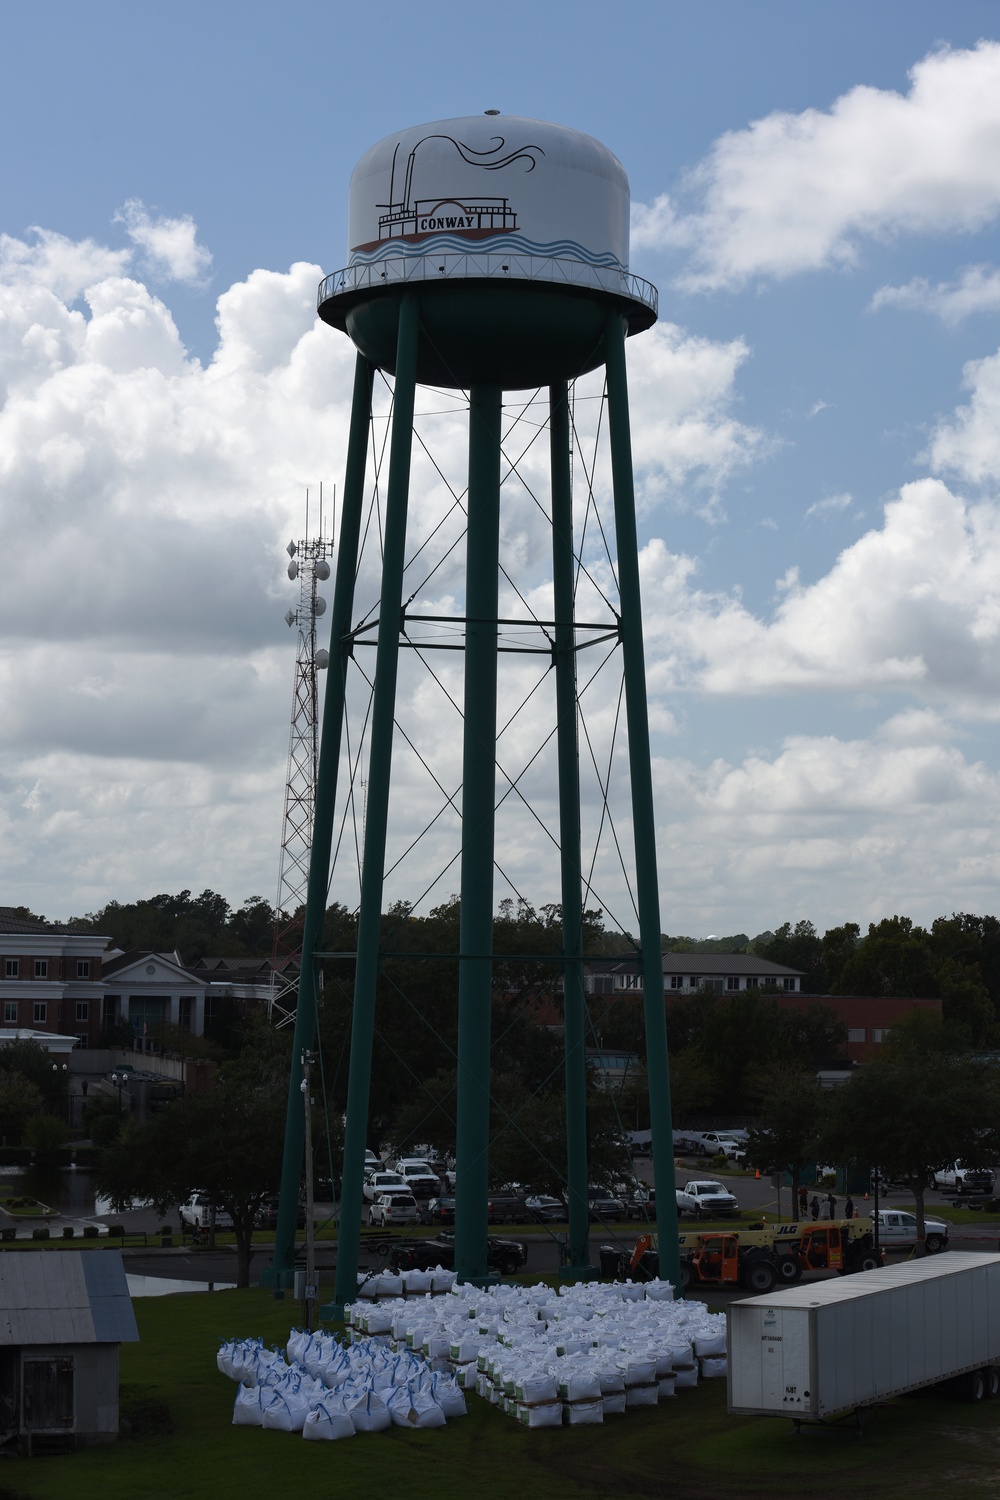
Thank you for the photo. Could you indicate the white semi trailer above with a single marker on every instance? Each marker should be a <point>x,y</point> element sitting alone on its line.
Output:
<point>821,1348</point>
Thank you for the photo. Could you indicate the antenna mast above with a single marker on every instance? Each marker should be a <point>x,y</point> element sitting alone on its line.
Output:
<point>308,566</point>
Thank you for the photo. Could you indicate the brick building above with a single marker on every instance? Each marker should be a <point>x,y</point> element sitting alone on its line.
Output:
<point>50,977</point>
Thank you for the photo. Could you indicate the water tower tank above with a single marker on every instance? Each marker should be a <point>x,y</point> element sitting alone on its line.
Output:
<point>515,234</point>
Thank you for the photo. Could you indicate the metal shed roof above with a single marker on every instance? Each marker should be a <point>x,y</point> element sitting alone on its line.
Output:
<point>64,1297</point>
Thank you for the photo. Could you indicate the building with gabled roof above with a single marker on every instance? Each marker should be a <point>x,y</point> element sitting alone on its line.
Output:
<point>64,1317</point>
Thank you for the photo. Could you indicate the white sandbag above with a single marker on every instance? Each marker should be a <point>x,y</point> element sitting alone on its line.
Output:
<point>535,1386</point>
<point>442,1280</point>
<point>414,1408</point>
<point>284,1412</point>
<point>389,1284</point>
<point>638,1369</point>
<point>685,1376</point>
<point>549,1415</point>
<point>417,1283</point>
<point>642,1395</point>
<point>667,1385</point>
<point>246,1407</point>
<point>369,1413</point>
<point>579,1383</point>
<point>583,1413</point>
<point>710,1344</point>
<point>713,1367</point>
<point>614,1403</point>
<point>465,1348</point>
<point>659,1291</point>
<point>448,1396</point>
<point>682,1355</point>
<point>612,1379</point>
<point>327,1424</point>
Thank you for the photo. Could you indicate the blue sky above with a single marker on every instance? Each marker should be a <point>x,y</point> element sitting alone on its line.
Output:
<point>817,196</point>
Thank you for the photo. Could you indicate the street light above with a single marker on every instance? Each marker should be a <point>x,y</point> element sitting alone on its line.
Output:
<point>63,1069</point>
<point>118,1079</point>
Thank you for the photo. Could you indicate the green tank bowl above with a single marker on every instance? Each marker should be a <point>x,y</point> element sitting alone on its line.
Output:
<point>516,334</point>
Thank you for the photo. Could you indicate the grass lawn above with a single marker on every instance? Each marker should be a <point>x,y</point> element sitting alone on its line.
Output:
<point>183,1444</point>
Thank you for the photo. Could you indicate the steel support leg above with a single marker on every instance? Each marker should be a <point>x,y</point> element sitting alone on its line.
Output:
<point>379,768</point>
<point>279,1274</point>
<point>577,1166</point>
<point>475,980</point>
<point>640,773</point>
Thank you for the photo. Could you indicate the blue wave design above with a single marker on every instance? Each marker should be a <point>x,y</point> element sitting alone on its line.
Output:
<point>499,244</point>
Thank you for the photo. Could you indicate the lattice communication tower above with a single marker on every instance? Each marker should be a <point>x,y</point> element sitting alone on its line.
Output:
<point>309,566</point>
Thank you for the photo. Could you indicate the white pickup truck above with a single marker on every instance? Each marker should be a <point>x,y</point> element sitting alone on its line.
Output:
<point>958,1178</point>
<point>705,1200</point>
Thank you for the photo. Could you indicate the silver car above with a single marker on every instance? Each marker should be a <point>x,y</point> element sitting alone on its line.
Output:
<point>393,1208</point>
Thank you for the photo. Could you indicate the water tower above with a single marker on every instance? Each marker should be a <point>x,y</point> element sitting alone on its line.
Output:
<point>488,254</point>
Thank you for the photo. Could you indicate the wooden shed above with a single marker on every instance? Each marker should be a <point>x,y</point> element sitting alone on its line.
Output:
<point>62,1317</point>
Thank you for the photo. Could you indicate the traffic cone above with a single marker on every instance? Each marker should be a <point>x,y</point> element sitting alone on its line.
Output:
<point>866,1197</point>
<point>757,1174</point>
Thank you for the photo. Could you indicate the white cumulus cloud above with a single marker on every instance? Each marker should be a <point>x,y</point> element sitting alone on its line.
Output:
<point>969,444</point>
<point>169,246</point>
<point>799,192</point>
<point>913,605</point>
<point>977,290</point>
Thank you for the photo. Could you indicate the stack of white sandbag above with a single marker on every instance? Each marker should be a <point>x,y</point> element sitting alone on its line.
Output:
<point>573,1357</point>
<point>374,1286</point>
<point>328,1390</point>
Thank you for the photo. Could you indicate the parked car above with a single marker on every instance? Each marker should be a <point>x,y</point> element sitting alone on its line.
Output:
<point>962,1179</point>
<point>394,1208</point>
<point>720,1142</point>
<point>705,1200</point>
<point>267,1215</point>
<point>381,1182</point>
<point>198,1210</point>
<point>898,1229</point>
<point>604,1206</point>
<point>505,1256</point>
<point>419,1178</point>
<point>506,1208</point>
<point>438,1211</point>
<point>548,1210</point>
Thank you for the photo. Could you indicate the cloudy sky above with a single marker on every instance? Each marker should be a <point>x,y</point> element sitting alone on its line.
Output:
<point>816,192</point>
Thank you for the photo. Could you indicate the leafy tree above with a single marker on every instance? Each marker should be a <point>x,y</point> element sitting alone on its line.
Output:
<point>793,1108</point>
<point>44,1134</point>
<point>913,1110</point>
<point>737,1040</point>
<point>102,1119</point>
<point>20,1100</point>
<point>839,946</point>
<point>895,958</point>
<point>33,1062</point>
<point>226,1142</point>
<point>798,947</point>
<point>252,927</point>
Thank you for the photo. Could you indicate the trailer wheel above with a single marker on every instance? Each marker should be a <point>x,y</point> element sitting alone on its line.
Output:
<point>992,1382</point>
<point>933,1243</point>
<point>761,1276</point>
<point>789,1269</point>
<point>976,1385</point>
